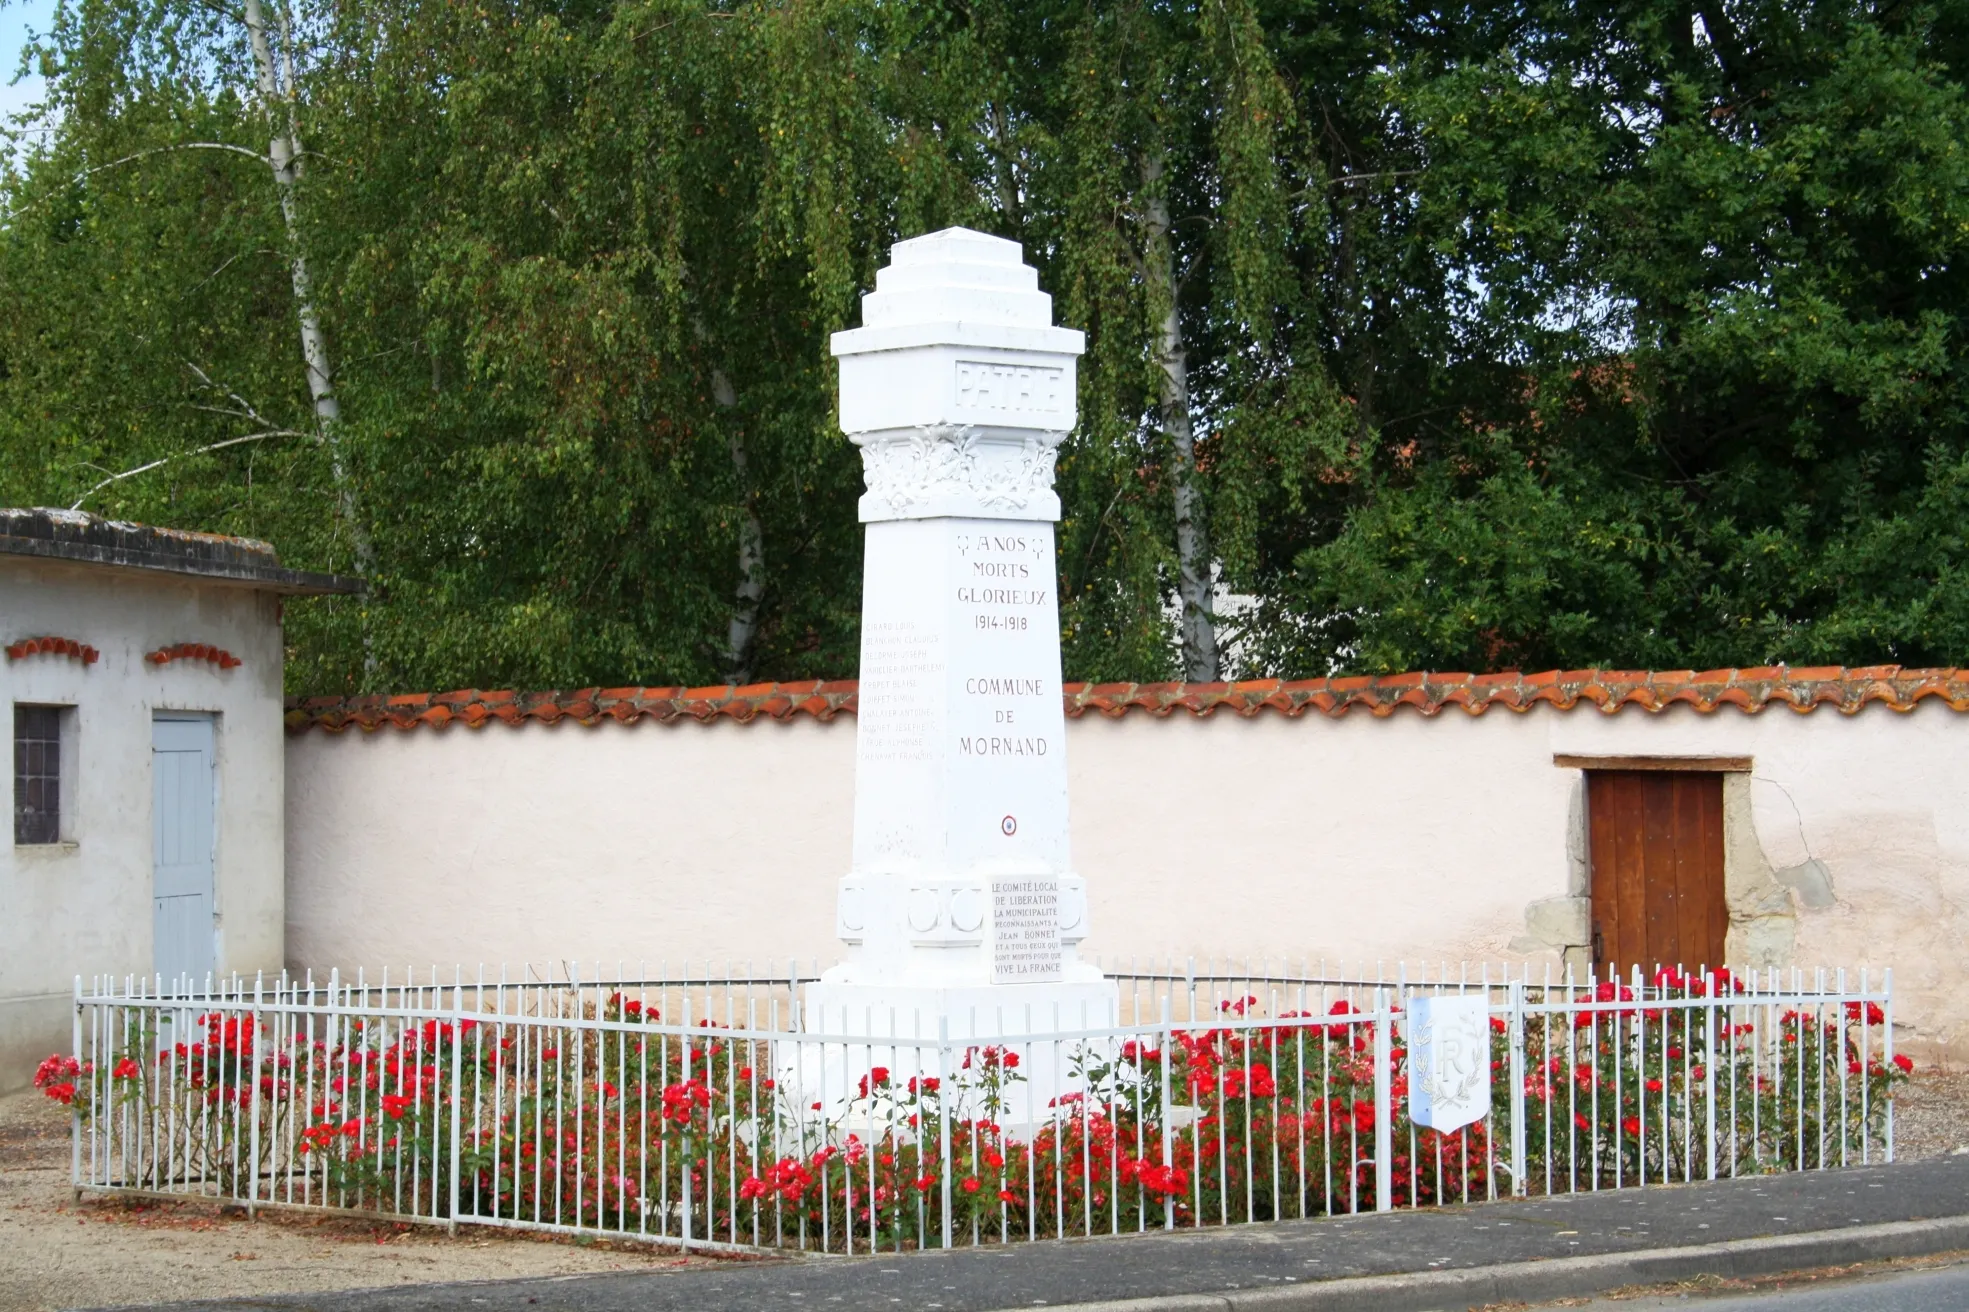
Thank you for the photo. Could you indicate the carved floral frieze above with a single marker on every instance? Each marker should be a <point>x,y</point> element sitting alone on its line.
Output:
<point>952,469</point>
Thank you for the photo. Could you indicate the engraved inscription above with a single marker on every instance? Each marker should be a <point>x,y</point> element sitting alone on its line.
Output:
<point>984,386</point>
<point>995,588</point>
<point>899,691</point>
<point>1025,930</point>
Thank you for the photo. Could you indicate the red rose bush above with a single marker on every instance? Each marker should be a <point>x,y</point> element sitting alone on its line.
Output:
<point>616,1121</point>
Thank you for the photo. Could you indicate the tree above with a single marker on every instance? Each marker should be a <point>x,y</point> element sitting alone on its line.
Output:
<point>581,269</point>
<point>1169,188</point>
<point>1697,278</point>
<point>1539,333</point>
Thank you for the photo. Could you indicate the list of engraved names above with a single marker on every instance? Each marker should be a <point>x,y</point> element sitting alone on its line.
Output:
<point>901,686</point>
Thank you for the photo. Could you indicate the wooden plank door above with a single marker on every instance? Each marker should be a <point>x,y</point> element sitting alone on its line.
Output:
<point>183,935</point>
<point>1655,845</point>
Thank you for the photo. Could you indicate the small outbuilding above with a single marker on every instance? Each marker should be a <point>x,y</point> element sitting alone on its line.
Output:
<point>140,681</point>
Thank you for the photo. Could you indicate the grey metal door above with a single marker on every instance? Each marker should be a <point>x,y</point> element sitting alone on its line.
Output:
<point>181,845</point>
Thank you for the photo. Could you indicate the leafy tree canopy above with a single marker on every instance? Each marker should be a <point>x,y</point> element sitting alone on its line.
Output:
<point>1519,335</point>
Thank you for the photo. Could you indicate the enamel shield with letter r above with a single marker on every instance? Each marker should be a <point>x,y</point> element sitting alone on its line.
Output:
<point>1448,1060</point>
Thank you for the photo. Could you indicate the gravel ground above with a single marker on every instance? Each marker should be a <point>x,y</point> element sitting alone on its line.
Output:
<point>1931,1117</point>
<point>58,1253</point>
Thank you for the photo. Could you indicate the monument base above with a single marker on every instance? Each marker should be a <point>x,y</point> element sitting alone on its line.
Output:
<point>856,1032</point>
<point>983,1013</point>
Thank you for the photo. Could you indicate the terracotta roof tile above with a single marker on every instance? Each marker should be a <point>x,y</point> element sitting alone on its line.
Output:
<point>193,651</point>
<point>52,646</point>
<point>1606,691</point>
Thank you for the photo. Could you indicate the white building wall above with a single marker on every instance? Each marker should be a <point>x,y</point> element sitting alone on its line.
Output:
<point>85,907</point>
<point>1354,840</point>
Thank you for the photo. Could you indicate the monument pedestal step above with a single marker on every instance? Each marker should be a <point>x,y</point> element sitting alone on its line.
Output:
<point>856,1032</point>
<point>979,1013</point>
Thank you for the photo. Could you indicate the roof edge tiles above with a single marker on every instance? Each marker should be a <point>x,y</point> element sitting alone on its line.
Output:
<point>75,535</point>
<point>1797,688</point>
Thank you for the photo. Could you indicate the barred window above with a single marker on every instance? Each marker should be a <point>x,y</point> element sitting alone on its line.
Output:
<point>37,774</point>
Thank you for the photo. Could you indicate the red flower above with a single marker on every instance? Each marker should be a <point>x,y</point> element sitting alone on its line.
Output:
<point>1159,1179</point>
<point>972,1184</point>
<point>1341,1008</point>
<point>1905,1062</point>
<point>1007,1196</point>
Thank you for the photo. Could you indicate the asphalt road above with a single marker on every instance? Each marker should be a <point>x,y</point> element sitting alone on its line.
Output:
<point>1213,1261</point>
<point>1946,1290</point>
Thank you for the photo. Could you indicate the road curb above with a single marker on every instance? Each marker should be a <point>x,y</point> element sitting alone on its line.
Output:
<point>1569,1277</point>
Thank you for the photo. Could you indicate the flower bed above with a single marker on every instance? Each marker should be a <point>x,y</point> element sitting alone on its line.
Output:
<point>605,1118</point>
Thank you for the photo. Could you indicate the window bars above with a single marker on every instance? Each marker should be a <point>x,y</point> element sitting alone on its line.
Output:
<point>700,1113</point>
<point>37,774</point>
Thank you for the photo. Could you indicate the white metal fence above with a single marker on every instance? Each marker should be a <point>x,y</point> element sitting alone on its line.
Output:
<point>699,1112</point>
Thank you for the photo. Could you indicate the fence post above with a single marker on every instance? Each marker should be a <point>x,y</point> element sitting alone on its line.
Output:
<point>1710,999</point>
<point>458,1101</point>
<point>1887,1052</point>
<point>251,1045</point>
<point>684,1175</point>
<point>943,1123</point>
<point>1384,1128</point>
<point>1168,1132</point>
<point>1517,1023</point>
<point>75,1110</point>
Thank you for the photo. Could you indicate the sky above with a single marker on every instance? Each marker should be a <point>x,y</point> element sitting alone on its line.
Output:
<point>18,18</point>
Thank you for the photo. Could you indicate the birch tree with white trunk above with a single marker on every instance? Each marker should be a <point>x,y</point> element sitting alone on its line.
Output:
<point>1174,259</point>
<point>1197,626</point>
<point>279,107</point>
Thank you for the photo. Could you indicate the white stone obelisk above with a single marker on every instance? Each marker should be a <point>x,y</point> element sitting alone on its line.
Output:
<point>961,901</point>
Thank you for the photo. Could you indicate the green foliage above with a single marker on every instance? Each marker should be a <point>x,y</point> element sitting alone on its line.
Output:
<point>1702,372</point>
<point>1537,334</point>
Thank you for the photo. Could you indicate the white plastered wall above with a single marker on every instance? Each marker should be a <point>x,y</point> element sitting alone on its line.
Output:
<point>1358,840</point>
<point>618,843</point>
<point>85,907</point>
